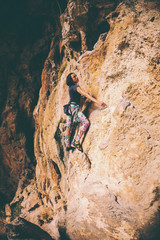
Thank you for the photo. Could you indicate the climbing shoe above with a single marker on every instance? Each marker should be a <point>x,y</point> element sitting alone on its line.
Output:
<point>69,148</point>
<point>77,145</point>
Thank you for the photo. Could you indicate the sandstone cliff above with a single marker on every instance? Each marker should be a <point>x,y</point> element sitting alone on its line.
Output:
<point>111,190</point>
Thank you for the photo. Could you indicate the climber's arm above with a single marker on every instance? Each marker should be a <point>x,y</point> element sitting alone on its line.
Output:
<point>83,93</point>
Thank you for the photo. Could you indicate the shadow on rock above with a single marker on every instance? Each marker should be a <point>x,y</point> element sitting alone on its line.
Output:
<point>22,229</point>
<point>63,234</point>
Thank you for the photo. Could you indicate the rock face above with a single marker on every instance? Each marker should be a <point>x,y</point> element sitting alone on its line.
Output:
<point>111,190</point>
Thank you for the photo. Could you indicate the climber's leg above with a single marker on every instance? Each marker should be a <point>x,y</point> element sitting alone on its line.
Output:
<point>80,117</point>
<point>68,132</point>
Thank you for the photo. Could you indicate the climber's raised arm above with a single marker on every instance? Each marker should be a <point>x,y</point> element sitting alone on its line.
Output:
<point>83,93</point>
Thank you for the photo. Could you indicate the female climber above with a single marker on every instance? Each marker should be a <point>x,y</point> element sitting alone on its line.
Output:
<point>75,93</point>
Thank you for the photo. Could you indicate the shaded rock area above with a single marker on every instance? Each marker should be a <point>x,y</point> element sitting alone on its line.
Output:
<point>111,190</point>
<point>22,229</point>
<point>27,29</point>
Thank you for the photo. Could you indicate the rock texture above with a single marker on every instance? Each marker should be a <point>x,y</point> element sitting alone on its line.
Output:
<point>111,191</point>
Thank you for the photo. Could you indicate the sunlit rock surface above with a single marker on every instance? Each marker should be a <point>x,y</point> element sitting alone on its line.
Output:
<point>111,190</point>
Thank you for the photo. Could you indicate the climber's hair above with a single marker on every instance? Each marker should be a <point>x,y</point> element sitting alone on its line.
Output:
<point>69,80</point>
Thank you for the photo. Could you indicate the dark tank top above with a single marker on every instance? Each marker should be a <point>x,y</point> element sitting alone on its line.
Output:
<point>75,96</point>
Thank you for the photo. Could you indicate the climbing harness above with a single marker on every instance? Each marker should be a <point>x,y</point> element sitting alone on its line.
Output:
<point>67,109</point>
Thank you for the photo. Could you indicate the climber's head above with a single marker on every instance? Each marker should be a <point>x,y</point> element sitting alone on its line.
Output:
<point>75,78</point>
<point>72,79</point>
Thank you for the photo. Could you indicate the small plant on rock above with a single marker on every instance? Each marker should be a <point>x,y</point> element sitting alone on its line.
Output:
<point>61,70</point>
<point>16,208</point>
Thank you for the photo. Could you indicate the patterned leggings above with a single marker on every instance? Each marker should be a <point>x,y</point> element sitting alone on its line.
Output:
<point>79,117</point>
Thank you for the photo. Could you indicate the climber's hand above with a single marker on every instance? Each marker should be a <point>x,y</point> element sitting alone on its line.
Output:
<point>102,104</point>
